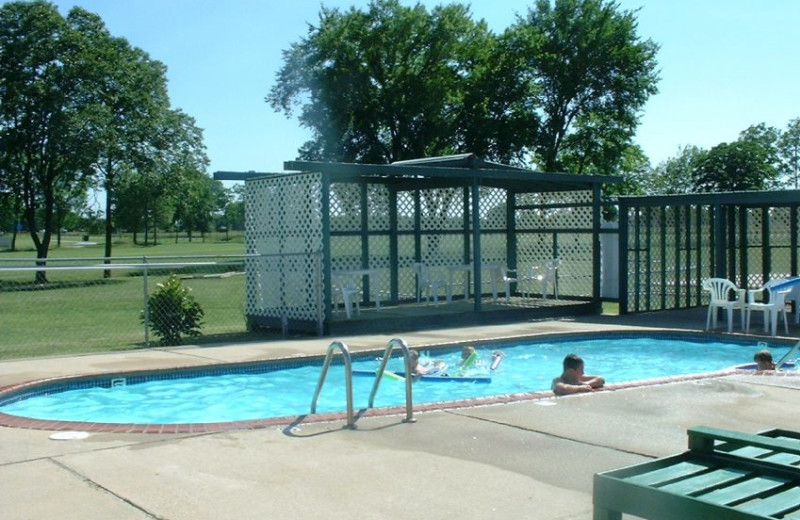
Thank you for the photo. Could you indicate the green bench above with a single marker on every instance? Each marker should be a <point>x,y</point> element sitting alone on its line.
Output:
<point>724,475</point>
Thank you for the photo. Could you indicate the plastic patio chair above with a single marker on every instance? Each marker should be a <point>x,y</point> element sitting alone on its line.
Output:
<point>547,278</point>
<point>427,285</point>
<point>345,288</point>
<point>773,303</point>
<point>508,276</point>
<point>721,290</point>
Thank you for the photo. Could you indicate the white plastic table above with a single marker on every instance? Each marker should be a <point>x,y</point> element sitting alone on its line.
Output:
<point>373,281</point>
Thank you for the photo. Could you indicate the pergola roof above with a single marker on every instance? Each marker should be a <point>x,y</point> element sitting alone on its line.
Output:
<point>452,170</point>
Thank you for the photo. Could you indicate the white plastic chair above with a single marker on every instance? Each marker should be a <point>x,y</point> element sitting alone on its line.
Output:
<point>345,288</point>
<point>773,303</point>
<point>507,279</point>
<point>548,277</point>
<point>721,290</point>
<point>427,285</point>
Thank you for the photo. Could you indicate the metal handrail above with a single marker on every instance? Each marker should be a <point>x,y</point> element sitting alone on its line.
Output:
<point>379,375</point>
<point>788,355</point>
<point>348,377</point>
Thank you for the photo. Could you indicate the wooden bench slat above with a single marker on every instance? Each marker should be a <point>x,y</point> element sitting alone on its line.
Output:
<point>742,491</point>
<point>776,504</point>
<point>676,471</point>
<point>705,482</point>
<point>750,452</point>
<point>789,459</point>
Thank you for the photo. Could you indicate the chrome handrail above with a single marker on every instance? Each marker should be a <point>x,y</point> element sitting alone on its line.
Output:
<point>348,377</point>
<point>789,354</point>
<point>379,375</point>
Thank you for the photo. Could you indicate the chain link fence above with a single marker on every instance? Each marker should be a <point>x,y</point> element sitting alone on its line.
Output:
<point>82,305</point>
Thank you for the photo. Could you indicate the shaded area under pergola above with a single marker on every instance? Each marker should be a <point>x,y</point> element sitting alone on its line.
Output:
<point>452,214</point>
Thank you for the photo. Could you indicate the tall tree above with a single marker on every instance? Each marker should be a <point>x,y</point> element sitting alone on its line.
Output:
<point>160,180</point>
<point>789,152</point>
<point>133,104</point>
<point>47,111</point>
<point>592,75</point>
<point>674,175</point>
<point>382,85</point>
<point>744,165</point>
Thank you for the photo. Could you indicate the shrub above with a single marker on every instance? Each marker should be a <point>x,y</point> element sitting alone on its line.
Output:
<point>173,312</point>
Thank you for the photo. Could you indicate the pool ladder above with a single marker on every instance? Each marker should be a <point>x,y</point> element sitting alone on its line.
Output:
<point>788,355</point>
<point>348,377</point>
<point>395,343</point>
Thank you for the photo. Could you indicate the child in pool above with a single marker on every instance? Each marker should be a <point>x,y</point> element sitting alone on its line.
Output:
<point>419,369</point>
<point>763,359</point>
<point>572,380</point>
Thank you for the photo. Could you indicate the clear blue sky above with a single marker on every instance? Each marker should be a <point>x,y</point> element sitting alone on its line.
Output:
<point>725,65</point>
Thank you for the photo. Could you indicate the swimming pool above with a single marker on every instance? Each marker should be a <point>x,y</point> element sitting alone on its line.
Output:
<point>281,389</point>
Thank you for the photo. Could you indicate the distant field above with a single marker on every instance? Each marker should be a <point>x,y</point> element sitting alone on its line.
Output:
<point>73,246</point>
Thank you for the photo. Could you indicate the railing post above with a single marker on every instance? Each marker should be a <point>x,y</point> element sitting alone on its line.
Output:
<point>146,308</point>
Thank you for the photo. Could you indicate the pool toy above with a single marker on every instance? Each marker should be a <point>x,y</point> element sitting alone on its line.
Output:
<point>391,376</point>
<point>497,358</point>
<point>442,378</point>
<point>471,359</point>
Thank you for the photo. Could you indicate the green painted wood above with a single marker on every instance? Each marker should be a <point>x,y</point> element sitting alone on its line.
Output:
<point>661,475</point>
<point>700,435</point>
<point>706,482</point>
<point>742,491</point>
<point>776,504</point>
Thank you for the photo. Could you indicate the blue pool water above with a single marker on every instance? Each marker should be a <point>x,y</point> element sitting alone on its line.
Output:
<point>273,391</point>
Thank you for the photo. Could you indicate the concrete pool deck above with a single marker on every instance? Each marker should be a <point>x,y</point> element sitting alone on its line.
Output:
<point>532,459</point>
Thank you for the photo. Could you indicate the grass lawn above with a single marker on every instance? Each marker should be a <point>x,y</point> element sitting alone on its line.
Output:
<point>80,311</point>
<point>72,246</point>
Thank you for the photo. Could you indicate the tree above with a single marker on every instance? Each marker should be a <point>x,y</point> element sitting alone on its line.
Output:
<point>133,101</point>
<point>743,165</point>
<point>201,198</point>
<point>674,175</point>
<point>47,111</point>
<point>150,191</point>
<point>382,85</point>
<point>789,153</point>
<point>590,75</point>
<point>233,213</point>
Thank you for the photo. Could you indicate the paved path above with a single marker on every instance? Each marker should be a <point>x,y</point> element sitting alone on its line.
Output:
<point>524,460</point>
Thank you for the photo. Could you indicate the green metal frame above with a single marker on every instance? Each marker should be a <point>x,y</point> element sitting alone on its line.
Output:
<point>669,244</point>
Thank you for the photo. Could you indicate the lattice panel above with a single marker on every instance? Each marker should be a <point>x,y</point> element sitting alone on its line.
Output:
<point>559,210</point>
<point>406,257</point>
<point>345,207</point>
<point>636,286</point>
<point>493,209</point>
<point>379,259</point>
<point>345,252</point>
<point>780,241</point>
<point>405,211</point>
<point>657,261</point>
<point>442,250</point>
<point>283,224</point>
<point>442,209</point>
<point>686,262</point>
<point>379,210</point>
<point>575,273</point>
<point>534,249</point>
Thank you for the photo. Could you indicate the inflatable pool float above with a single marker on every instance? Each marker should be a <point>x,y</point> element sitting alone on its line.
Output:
<point>440,378</point>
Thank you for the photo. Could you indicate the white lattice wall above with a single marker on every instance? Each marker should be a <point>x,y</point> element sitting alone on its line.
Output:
<point>543,229</point>
<point>283,223</point>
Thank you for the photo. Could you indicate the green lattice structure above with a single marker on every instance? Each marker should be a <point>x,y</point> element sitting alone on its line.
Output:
<point>669,244</point>
<point>320,218</point>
